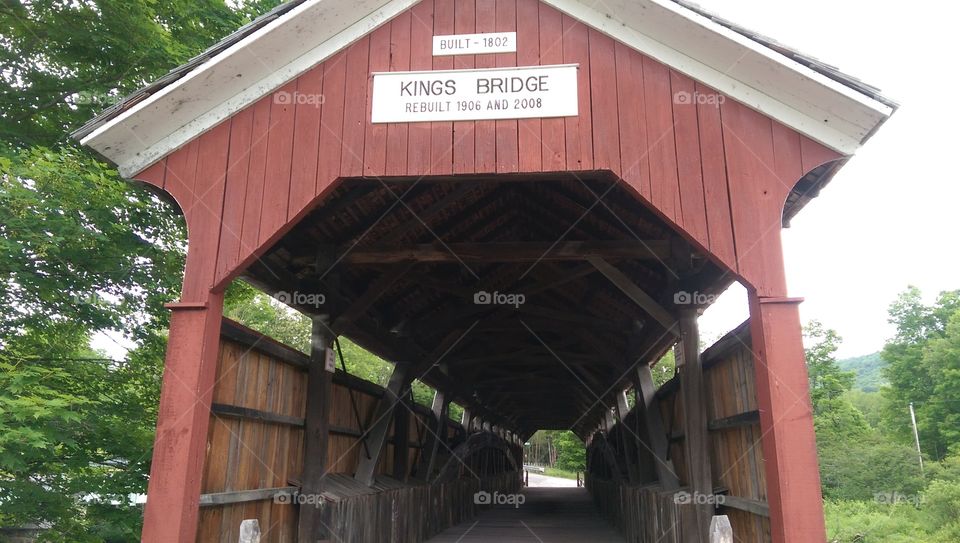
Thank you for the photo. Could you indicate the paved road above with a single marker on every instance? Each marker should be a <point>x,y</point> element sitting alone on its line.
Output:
<point>538,480</point>
<point>548,515</point>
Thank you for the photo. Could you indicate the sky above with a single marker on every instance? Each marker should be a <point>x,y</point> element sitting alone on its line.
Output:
<point>889,218</point>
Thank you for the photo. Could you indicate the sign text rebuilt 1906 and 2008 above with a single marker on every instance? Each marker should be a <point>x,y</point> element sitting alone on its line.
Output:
<point>458,95</point>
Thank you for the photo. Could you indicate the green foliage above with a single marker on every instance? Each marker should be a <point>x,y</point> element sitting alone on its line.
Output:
<point>871,404</point>
<point>827,381</point>
<point>83,252</point>
<point>664,369</point>
<point>62,62</point>
<point>872,522</point>
<point>924,368</point>
<point>862,468</point>
<point>560,449</point>
<point>868,370</point>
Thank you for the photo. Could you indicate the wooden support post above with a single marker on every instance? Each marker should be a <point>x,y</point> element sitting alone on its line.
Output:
<point>189,374</point>
<point>466,419</point>
<point>401,438</point>
<point>786,421</point>
<point>316,432</point>
<point>657,440</point>
<point>626,443</point>
<point>376,436</point>
<point>696,440</point>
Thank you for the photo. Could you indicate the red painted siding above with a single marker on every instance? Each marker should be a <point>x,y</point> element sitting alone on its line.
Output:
<point>716,169</point>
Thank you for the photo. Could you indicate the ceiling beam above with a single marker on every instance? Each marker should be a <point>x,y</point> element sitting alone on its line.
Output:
<point>511,252</point>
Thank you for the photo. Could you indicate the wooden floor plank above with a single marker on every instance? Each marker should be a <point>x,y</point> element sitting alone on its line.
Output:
<point>548,515</point>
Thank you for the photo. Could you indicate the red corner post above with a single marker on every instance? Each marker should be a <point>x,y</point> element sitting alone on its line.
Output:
<point>173,493</point>
<point>786,421</point>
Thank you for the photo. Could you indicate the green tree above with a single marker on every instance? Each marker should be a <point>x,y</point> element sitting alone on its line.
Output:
<point>83,252</point>
<point>827,381</point>
<point>921,369</point>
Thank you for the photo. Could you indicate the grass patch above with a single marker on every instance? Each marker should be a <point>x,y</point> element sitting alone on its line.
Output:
<point>564,474</point>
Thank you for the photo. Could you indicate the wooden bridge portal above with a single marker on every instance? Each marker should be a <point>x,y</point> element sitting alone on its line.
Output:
<point>528,255</point>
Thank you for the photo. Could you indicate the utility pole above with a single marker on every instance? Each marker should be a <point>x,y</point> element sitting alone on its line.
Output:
<point>916,436</point>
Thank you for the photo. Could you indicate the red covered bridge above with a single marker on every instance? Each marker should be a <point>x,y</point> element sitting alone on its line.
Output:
<point>522,204</point>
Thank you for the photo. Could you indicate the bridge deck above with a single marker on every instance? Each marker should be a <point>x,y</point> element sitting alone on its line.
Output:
<point>549,515</point>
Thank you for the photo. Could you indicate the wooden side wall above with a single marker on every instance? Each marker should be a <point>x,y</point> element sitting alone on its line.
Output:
<point>736,453</point>
<point>255,438</point>
<point>716,169</point>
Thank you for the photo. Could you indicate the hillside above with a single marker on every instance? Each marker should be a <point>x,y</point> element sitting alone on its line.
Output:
<point>868,369</point>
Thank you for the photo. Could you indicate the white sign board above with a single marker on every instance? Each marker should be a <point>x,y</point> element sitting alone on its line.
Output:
<point>475,44</point>
<point>464,95</point>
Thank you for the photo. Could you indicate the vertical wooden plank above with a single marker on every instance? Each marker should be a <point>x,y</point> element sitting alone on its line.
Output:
<point>204,217</point>
<point>553,148</point>
<point>528,54</point>
<point>441,133</point>
<point>508,153</point>
<point>693,210</point>
<point>714,168</point>
<point>238,164</point>
<point>579,130</point>
<point>306,140</point>
<point>696,442</point>
<point>634,156</point>
<point>354,123</point>
<point>331,120</point>
<point>755,200</point>
<point>273,215</point>
<point>464,153</point>
<point>486,131</point>
<point>399,61</point>
<point>154,174</point>
<point>815,154</point>
<point>256,175</point>
<point>181,174</point>
<point>603,100</point>
<point>421,58</point>
<point>375,141</point>
<point>665,189</point>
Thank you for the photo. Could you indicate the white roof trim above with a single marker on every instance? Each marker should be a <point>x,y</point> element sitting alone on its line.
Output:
<point>823,109</point>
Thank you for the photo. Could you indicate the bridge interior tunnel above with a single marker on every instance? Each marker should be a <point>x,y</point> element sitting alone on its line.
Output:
<point>527,300</point>
<point>534,302</point>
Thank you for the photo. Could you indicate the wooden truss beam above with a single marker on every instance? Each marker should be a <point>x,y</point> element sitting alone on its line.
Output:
<point>637,294</point>
<point>377,435</point>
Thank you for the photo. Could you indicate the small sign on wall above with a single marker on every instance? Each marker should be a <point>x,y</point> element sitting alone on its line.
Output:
<point>330,360</point>
<point>483,94</point>
<point>475,44</point>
